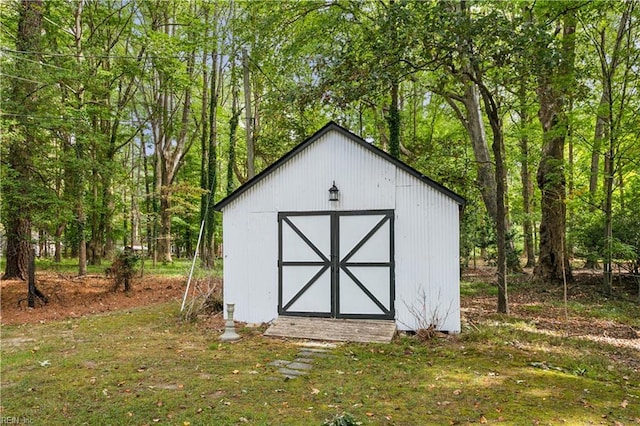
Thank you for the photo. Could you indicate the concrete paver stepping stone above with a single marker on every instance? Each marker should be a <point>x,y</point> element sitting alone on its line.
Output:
<point>299,366</point>
<point>303,362</point>
<point>292,374</point>
<point>304,353</point>
<point>279,363</point>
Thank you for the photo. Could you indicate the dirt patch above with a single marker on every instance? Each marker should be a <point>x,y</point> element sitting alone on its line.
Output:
<point>541,306</point>
<point>72,296</point>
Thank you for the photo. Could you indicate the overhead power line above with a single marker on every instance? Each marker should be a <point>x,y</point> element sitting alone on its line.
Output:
<point>44,64</point>
<point>63,118</point>
<point>84,55</point>
<point>21,78</point>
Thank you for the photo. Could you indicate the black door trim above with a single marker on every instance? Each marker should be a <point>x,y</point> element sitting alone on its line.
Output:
<point>336,264</point>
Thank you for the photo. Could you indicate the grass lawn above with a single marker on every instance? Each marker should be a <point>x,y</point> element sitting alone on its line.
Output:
<point>179,267</point>
<point>144,366</point>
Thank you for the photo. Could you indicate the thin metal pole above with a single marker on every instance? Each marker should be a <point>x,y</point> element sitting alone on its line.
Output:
<point>195,256</point>
<point>193,264</point>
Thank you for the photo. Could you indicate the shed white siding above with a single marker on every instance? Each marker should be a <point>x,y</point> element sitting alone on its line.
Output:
<point>302,184</point>
<point>427,256</point>
<point>426,229</point>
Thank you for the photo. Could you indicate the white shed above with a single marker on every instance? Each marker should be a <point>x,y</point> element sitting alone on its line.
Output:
<point>386,246</point>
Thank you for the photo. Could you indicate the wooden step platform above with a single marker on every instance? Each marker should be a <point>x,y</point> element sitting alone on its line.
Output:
<point>330,329</point>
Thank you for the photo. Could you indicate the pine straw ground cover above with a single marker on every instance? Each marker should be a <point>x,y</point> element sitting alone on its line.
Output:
<point>144,366</point>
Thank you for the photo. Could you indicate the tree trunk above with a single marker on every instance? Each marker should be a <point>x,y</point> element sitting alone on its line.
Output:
<point>598,137</point>
<point>607,279</point>
<point>570,149</point>
<point>527,195</point>
<point>595,160</point>
<point>19,162</point>
<point>57,256</point>
<point>471,79</point>
<point>594,172</point>
<point>149,195</point>
<point>204,148</point>
<point>18,246</point>
<point>157,185</point>
<point>94,253</point>
<point>212,154</point>
<point>477,134</point>
<point>251,171</point>
<point>42,243</point>
<point>501,225</point>
<point>78,143</point>
<point>109,251</point>
<point>493,114</point>
<point>33,290</point>
<point>82,243</point>
<point>170,127</point>
<point>164,238</point>
<point>525,178</point>
<point>552,224</point>
<point>233,126</point>
<point>611,126</point>
<point>551,91</point>
<point>393,121</point>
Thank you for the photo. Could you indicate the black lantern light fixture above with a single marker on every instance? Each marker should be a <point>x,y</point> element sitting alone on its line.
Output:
<point>333,192</point>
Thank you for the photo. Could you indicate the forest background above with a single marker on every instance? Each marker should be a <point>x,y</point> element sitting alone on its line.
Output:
<point>120,117</point>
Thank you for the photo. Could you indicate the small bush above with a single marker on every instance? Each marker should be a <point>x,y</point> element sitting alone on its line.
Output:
<point>426,334</point>
<point>344,419</point>
<point>123,269</point>
<point>206,300</point>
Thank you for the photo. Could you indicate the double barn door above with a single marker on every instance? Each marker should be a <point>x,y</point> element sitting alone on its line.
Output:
<point>336,264</point>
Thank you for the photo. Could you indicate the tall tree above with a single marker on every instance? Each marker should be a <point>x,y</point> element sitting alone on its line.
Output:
<point>555,82</point>
<point>249,115</point>
<point>233,127</point>
<point>17,185</point>
<point>168,98</point>
<point>616,59</point>
<point>111,90</point>
<point>77,142</point>
<point>525,174</point>
<point>474,71</point>
<point>211,91</point>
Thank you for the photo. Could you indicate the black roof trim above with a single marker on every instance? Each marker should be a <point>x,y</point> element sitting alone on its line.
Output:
<point>357,139</point>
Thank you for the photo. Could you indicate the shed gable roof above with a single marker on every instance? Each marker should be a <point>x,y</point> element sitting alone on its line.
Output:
<point>332,126</point>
